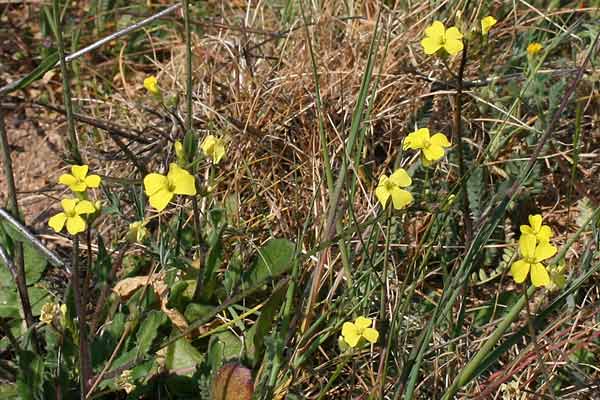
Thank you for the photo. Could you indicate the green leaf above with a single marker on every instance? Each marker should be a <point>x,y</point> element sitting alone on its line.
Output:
<point>273,260</point>
<point>265,321</point>
<point>30,379</point>
<point>182,358</point>
<point>46,65</point>
<point>223,347</point>
<point>149,329</point>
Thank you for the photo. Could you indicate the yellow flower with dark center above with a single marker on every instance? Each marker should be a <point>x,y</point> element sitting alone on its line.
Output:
<point>542,233</point>
<point>487,23</point>
<point>438,37</point>
<point>213,148</point>
<point>532,254</point>
<point>151,85</point>
<point>73,209</point>
<point>391,187</point>
<point>161,189</point>
<point>432,147</point>
<point>78,180</point>
<point>534,48</point>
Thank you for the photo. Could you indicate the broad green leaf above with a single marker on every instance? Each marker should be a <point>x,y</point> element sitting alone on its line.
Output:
<point>148,330</point>
<point>223,347</point>
<point>265,320</point>
<point>182,358</point>
<point>273,260</point>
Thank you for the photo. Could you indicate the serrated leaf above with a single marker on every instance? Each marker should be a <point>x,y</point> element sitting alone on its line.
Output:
<point>148,330</point>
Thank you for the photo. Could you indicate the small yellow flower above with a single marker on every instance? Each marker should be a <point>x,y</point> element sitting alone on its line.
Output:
<point>432,147</point>
<point>558,279</point>
<point>213,148</point>
<point>126,382</point>
<point>390,187</point>
<point>352,332</point>
<point>487,23</point>
<point>179,149</point>
<point>438,37</point>
<point>137,232</point>
<point>78,180</point>
<point>532,257</point>
<point>534,48</point>
<point>48,312</point>
<point>72,216</point>
<point>542,233</point>
<point>161,189</point>
<point>151,85</point>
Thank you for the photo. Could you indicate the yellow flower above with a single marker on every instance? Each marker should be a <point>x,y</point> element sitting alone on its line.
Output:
<point>137,232</point>
<point>432,147</point>
<point>558,280</point>
<point>533,255</point>
<point>161,189</point>
<point>534,48</point>
<point>352,332</point>
<point>542,233</point>
<point>438,37</point>
<point>390,187</point>
<point>72,216</point>
<point>48,312</point>
<point>487,23</point>
<point>78,180</point>
<point>151,85</point>
<point>213,148</point>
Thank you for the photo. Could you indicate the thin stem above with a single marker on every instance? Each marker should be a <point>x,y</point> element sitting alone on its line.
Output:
<point>20,278</point>
<point>188,65</point>
<point>85,367</point>
<point>72,142</point>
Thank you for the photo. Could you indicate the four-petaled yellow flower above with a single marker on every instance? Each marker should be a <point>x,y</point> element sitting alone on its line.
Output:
<point>542,233</point>
<point>151,85</point>
<point>438,37</point>
<point>213,148</point>
<point>72,216</point>
<point>533,254</point>
<point>487,23</point>
<point>432,147</point>
<point>78,180</point>
<point>534,48</point>
<point>390,187</point>
<point>352,332</point>
<point>161,189</point>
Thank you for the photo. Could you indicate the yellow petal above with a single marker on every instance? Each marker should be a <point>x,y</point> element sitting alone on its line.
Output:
<point>352,340</point>
<point>401,178</point>
<point>349,329</point>
<point>218,152</point>
<point>67,179</point>
<point>544,251</point>
<point>370,334</point>
<point>487,23</point>
<point>93,181</point>
<point>154,183</point>
<point>159,200</point>
<point>84,207</point>
<point>519,270</point>
<point>526,230</point>
<point>68,205</point>
<point>401,198</point>
<point>416,140</point>
<point>431,45</point>
<point>57,222</point>
<point>539,275</point>
<point>453,47</point>
<point>453,34</point>
<point>433,152</point>
<point>545,233</point>
<point>436,30</point>
<point>181,180</point>
<point>79,171</point>
<point>75,225</point>
<point>151,85</point>
<point>527,246</point>
<point>439,139</point>
<point>536,222</point>
<point>362,322</point>
<point>208,144</point>
<point>382,195</point>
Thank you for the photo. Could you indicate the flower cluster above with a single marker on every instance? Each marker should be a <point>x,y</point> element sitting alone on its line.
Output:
<point>535,247</point>
<point>76,210</point>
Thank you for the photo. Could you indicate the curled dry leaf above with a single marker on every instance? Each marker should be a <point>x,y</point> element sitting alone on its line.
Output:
<point>233,382</point>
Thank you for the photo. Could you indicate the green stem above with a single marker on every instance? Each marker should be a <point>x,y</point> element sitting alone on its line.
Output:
<point>85,367</point>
